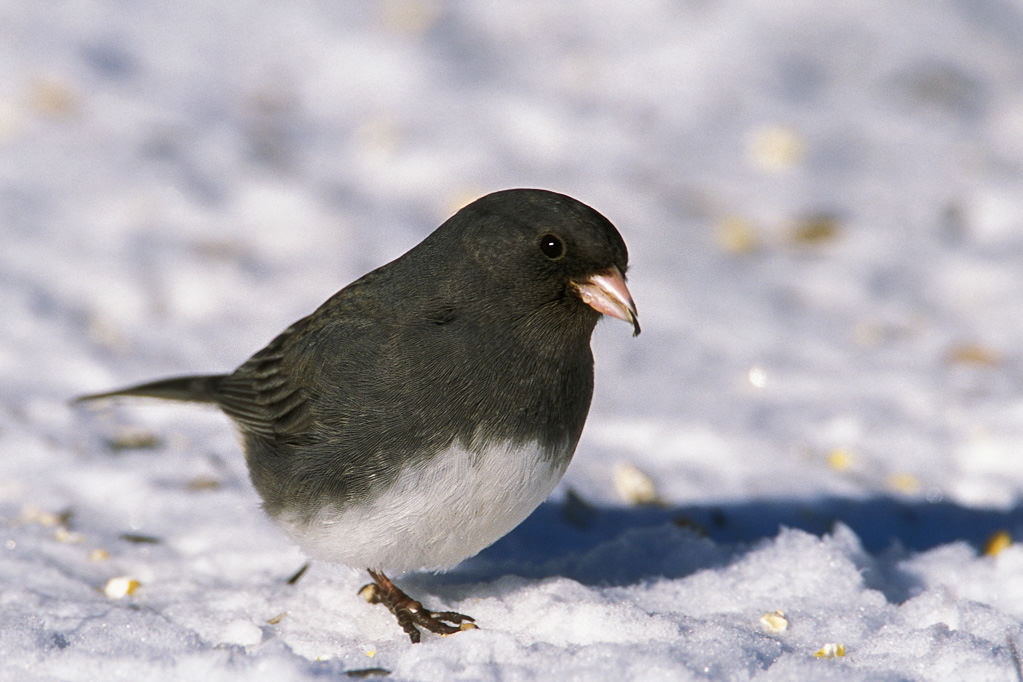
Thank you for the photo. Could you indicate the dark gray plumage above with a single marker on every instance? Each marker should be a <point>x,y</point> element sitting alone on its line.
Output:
<point>471,349</point>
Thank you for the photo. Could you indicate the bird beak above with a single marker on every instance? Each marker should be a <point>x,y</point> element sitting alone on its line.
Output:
<point>606,293</point>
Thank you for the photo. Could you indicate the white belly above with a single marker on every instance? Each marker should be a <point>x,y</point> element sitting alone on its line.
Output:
<point>434,517</point>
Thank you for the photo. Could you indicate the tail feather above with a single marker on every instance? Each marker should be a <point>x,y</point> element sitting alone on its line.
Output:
<point>201,388</point>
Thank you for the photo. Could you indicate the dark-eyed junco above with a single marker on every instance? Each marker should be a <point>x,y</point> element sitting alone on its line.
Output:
<point>427,408</point>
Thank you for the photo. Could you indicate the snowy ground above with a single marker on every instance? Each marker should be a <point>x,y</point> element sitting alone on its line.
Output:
<point>824,210</point>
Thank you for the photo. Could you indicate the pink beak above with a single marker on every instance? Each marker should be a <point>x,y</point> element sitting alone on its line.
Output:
<point>606,293</point>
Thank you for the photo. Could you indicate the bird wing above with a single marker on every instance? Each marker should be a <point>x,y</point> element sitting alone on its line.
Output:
<point>264,396</point>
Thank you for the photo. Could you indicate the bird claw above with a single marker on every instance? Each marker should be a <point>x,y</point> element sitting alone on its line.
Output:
<point>410,613</point>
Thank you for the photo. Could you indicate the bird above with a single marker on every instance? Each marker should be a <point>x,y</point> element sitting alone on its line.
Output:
<point>426,409</point>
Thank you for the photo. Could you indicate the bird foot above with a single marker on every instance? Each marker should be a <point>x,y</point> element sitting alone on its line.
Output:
<point>411,613</point>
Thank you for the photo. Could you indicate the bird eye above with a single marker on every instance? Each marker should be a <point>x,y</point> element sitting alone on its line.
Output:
<point>552,246</point>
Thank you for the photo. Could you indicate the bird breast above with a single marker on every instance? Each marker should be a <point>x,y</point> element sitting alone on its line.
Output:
<point>434,515</point>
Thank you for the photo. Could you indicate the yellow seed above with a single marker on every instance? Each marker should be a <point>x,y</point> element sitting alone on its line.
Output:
<point>840,459</point>
<point>53,97</point>
<point>775,148</point>
<point>133,439</point>
<point>904,483</point>
<point>997,542</point>
<point>774,621</point>
<point>203,483</point>
<point>30,514</point>
<point>62,534</point>
<point>99,554</point>
<point>370,593</point>
<point>814,229</point>
<point>278,618</point>
<point>634,486</point>
<point>120,587</point>
<point>973,354</point>
<point>735,234</point>
<point>831,650</point>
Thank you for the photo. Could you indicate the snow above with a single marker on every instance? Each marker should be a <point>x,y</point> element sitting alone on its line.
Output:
<point>823,413</point>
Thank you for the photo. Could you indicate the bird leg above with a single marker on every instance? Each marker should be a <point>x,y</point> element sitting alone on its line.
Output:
<point>409,612</point>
